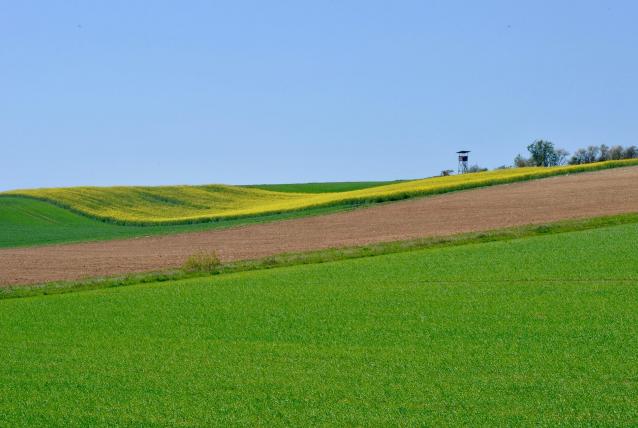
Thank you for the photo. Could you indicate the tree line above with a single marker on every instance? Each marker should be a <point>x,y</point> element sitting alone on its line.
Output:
<point>544,153</point>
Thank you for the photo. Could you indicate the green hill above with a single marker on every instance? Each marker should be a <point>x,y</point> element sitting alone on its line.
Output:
<point>532,332</point>
<point>27,222</point>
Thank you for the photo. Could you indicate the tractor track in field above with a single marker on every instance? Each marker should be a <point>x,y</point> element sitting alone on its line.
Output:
<point>583,195</point>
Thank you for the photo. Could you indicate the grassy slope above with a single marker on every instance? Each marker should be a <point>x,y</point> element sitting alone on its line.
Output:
<point>26,222</point>
<point>539,331</point>
<point>184,204</point>
<point>336,186</point>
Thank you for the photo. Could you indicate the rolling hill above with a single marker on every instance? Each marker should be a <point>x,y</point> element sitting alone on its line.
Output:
<point>191,204</point>
<point>611,192</point>
<point>27,221</point>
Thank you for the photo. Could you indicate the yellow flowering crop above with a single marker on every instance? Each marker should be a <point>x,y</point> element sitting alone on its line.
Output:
<point>185,204</point>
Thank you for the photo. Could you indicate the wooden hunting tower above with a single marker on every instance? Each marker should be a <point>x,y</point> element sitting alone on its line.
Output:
<point>463,161</point>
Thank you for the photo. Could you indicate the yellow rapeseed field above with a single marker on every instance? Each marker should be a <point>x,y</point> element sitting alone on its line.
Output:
<point>185,204</point>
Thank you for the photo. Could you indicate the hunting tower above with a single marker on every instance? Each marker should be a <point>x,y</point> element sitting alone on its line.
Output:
<point>463,161</point>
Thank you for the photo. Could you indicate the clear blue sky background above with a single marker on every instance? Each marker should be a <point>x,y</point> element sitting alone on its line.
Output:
<point>167,92</point>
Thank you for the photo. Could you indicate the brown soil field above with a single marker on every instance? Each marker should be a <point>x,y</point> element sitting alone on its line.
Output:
<point>541,201</point>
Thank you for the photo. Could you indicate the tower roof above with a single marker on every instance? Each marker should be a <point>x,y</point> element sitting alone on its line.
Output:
<point>463,151</point>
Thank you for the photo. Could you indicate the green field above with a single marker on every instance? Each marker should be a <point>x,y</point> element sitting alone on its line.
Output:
<point>537,331</point>
<point>27,222</point>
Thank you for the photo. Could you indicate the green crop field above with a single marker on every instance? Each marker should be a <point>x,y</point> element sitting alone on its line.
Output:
<point>190,204</point>
<point>27,222</point>
<point>536,332</point>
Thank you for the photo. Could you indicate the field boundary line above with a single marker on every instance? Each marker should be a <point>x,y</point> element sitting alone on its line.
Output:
<point>322,256</point>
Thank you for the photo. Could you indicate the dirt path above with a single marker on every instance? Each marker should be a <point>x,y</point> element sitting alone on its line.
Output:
<point>577,196</point>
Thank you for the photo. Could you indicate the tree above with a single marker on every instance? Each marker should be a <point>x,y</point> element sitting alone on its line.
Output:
<point>591,154</point>
<point>561,156</point>
<point>630,152</point>
<point>446,172</point>
<point>579,157</point>
<point>544,154</point>
<point>616,152</point>
<point>521,162</point>
<point>603,153</point>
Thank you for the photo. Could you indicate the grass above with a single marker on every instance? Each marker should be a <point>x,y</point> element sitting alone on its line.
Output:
<point>331,187</point>
<point>536,331</point>
<point>190,204</point>
<point>27,222</point>
<point>202,262</point>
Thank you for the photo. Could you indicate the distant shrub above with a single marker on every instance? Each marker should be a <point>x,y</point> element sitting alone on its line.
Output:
<point>476,168</point>
<point>521,162</point>
<point>202,262</point>
<point>543,228</point>
<point>446,172</point>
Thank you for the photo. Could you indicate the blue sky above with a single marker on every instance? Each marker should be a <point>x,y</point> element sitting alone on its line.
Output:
<point>141,92</point>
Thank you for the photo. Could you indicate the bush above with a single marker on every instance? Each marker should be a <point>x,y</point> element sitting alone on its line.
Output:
<point>476,168</point>
<point>521,162</point>
<point>202,262</point>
